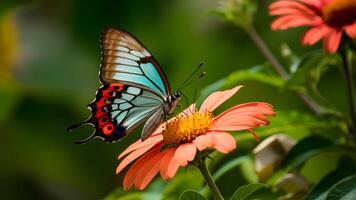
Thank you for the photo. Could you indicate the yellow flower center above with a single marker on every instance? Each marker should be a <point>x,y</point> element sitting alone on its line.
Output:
<point>338,13</point>
<point>185,129</point>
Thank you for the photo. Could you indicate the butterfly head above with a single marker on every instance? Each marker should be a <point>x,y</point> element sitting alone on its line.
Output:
<point>172,102</point>
<point>176,96</point>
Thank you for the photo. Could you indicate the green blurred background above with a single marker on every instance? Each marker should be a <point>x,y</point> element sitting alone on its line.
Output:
<point>49,66</point>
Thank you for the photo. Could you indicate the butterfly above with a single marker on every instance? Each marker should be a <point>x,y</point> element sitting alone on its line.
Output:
<point>134,89</point>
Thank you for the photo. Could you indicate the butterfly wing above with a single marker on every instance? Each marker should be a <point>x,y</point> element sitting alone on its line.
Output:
<point>126,60</point>
<point>118,109</point>
<point>152,124</point>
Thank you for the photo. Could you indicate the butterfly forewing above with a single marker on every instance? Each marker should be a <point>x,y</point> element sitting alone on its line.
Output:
<point>126,60</point>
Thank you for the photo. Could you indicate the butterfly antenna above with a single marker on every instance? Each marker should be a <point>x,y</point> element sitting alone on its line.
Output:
<point>191,81</point>
<point>187,81</point>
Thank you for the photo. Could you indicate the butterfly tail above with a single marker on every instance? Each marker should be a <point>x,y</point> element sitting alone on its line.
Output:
<point>74,126</point>
<point>86,139</point>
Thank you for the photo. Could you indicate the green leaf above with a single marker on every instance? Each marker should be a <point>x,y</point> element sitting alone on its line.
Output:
<point>343,188</point>
<point>305,149</point>
<point>234,163</point>
<point>225,168</point>
<point>244,191</point>
<point>191,195</point>
<point>248,170</point>
<point>130,195</point>
<point>345,168</point>
<point>183,181</point>
<point>141,196</point>
<point>349,196</point>
<point>310,68</point>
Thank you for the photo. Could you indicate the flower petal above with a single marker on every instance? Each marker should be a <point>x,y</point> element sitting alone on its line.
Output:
<point>151,141</point>
<point>188,111</point>
<point>166,159</point>
<point>133,155</point>
<point>290,7</point>
<point>243,116</point>
<point>204,141</point>
<point>131,174</point>
<point>351,30</point>
<point>319,4</point>
<point>148,171</point>
<point>217,98</point>
<point>291,21</point>
<point>314,34</point>
<point>172,169</point>
<point>332,41</point>
<point>185,153</point>
<point>223,142</point>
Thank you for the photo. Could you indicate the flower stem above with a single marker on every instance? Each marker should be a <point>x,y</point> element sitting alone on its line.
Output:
<point>266,52</point>
<point>350,90</point>
<point>209,179</point>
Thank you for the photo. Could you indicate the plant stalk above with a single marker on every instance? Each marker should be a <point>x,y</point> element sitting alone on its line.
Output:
<point>266,52</point>
<point>350,90</point>
<point>209,179</point>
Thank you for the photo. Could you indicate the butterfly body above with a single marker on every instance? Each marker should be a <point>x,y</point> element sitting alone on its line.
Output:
<point>134,90</point>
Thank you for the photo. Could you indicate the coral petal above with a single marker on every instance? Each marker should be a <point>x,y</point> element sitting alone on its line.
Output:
<point>166,159</point>
<point>223,142</point>
<point>185,153</point>
<point>152,140</point>
<point>254,135</point>
<point>314,34</point>
<point>217,98</point>
<point>172,168</point>
<point>243,116</point>
<point>188,111</point>
<point>131,174</point>
<point>332,41</point>
<point>204,141</point>
<point>290,7</point>
<point>132,156</point>
<point>351,30</point>
<point>148,171</point>
<point>290,21</point>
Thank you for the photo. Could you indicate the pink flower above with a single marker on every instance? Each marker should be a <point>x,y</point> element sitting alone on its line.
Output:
<point>328,19</point>
<point>176,142</point>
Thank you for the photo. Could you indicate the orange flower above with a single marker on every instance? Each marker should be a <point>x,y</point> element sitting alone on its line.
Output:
<point>328,19</point>
<point>177,141</point>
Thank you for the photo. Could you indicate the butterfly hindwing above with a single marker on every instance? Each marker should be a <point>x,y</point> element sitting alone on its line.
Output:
<point>125,59</point>
<point>118,109</point>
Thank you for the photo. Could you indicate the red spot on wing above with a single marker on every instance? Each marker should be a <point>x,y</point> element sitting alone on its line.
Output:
<point>103,121</point>
<point>99,113</point>
<point>116,87</point>
<point>112,88</point>
<point>108,129</point>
